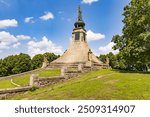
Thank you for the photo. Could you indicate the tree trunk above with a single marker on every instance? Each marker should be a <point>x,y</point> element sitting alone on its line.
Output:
<point>147,67</point>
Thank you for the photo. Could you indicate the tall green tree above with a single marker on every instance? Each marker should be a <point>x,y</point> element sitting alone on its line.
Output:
<point>3,69</point>
<point>37,61</point>
<point>23,63</point>
<point>8,64</point>
<point>15,64</point>
<point>115,61</point>
<point>135,40</point>
<point>102,58</point>
<point>50,56</point>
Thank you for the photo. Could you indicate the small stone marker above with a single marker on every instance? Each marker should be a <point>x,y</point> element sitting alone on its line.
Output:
<point>32,79</point>
<point>45,62</point>
<point>63,70</point>
<point>80,66</point>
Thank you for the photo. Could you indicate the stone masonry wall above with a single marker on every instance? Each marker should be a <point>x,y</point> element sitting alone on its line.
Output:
<point>71,74</point>
<point>12,91</point>
<point>41,82</point>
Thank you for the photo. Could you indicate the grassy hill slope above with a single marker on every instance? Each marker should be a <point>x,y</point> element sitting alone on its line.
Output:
<point>24,79</point>
<point>100,84</point>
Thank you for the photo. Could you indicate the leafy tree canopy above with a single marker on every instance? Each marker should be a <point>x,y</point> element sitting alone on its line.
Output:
<point>135,40</point>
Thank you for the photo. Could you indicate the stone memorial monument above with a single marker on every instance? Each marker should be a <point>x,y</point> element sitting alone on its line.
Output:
<point>79,51</point>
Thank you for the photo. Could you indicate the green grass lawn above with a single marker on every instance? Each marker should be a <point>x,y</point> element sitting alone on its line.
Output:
<point>24,79</point>
<point>100,84</point>
<point>6,84</point>
<point>48,73</point>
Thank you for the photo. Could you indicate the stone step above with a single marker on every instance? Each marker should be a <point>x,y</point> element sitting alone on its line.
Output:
<point>59,65</point>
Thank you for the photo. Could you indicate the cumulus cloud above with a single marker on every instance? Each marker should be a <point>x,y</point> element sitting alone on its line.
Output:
<point>8,40</point>
<point>4,45</point>
<point>89,1</point>
<point>92,36</point>
<point>29,20</point>
<point>7,37</point>
<point>45,45</point>
<point>23,37</point>
<point>8,23</point>
<point>47,16</point>
<point>108,48</point>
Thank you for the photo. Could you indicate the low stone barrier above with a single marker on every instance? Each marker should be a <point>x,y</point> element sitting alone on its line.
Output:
<point>41,82</point>
<point>12,91</point>
<point>71,74</point>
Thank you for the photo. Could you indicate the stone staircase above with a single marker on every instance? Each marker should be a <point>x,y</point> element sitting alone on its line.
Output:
<point>60,65</point>
<point>92,65</point>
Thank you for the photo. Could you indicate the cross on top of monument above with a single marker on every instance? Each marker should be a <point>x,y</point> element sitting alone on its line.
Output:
<point>79,23</point>
<point>79,14</point>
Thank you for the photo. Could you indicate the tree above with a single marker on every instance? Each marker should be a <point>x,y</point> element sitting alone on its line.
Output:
<point>102,58</point>
<point>37,61</point>
<point>15,64</point>
<point>23,63</point>
<point>3,69</point>
<point>115,61</point>
<point>8,64</point>
<point>50,56</point>
<point>135,40</point>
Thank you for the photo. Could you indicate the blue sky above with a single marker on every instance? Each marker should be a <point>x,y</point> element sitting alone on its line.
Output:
<point>37,26</point>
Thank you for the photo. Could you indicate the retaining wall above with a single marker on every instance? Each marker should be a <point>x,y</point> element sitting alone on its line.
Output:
<point>41,82</point>
<point>71,74</point>
<point>12,91</point>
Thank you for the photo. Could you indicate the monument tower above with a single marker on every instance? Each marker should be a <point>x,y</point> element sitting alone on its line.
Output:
<point>78,52</point>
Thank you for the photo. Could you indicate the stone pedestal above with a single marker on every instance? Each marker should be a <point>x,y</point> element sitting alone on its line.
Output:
<point>63,70</point>
<point>33,77</point>
<point>80,67</point>
<point>88,64</point>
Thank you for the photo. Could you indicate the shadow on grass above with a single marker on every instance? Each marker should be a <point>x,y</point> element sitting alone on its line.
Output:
<point>123,71</point>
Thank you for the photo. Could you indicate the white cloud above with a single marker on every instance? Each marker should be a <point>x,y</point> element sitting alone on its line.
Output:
<point>16,45</point>
<point>29,20</point>
<point>91,36</point>
<point>23,37</point>
<point>89,1</point>
<point>4,45</point>
<point>8,40</point>
<point>108,48</point>
<point>8,23</point>
<point>47,16</point>
<point>7,37</point>
<point>45,45</point>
